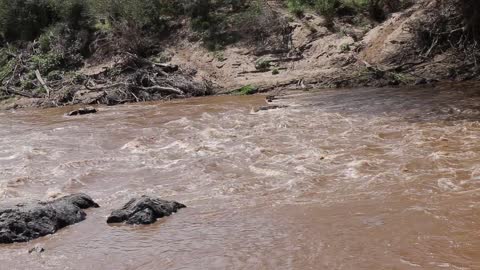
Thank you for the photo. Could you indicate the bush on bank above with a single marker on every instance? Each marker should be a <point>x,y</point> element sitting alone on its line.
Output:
<point>376,9</point>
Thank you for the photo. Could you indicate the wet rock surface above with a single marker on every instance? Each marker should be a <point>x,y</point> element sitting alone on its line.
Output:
<point>24,222</point>
<point>144,210</point>
<point>36,250</point>
<point>82,111</point>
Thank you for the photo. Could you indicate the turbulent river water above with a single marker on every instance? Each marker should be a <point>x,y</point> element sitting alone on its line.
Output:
<point>340,179</point>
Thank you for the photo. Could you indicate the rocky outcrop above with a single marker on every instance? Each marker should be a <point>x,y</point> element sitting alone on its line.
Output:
<point>24,222</point>
<point>144,210</point>
<point>82,111</point>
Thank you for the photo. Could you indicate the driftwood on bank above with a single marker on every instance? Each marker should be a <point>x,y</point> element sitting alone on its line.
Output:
<point>42,82</point>
<point>155,88</point>
<point>18,93</point>
<point>130,79</point>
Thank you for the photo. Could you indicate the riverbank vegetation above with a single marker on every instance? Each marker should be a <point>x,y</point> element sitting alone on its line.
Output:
<point>45,45</point>
<point>375,9</point>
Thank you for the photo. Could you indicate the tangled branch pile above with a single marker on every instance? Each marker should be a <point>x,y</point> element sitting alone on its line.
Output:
<point>131,79</point>
<point>138,79</point>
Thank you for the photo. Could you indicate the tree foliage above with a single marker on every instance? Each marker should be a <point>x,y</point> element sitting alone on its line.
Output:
<point>376,9</point>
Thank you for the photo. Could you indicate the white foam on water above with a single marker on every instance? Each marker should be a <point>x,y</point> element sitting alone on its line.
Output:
<point>260,187</point>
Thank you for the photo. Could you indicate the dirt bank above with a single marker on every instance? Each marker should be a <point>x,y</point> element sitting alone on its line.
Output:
<point>349,55</point>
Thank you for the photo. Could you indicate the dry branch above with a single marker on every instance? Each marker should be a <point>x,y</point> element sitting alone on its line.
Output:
<point>18,93</point>
<point>40,79</point>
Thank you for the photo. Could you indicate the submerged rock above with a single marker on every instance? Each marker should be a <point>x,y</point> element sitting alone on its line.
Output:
<point>36,249</point>
<point>270,98</point>
<point>144,210</point>
<point>82,111</point>
<point>269,107</point>
<point>24,222</point>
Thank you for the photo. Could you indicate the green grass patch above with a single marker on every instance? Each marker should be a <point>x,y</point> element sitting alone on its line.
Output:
<point>296,7</point>
<point>246,90</point>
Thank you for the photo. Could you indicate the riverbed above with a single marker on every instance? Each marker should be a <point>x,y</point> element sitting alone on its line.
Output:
<point>339,179</point>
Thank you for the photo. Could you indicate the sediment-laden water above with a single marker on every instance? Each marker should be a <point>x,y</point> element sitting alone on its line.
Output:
<point>341,179</point>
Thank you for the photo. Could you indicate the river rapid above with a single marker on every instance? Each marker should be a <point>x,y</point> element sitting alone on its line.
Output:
<point>340,179</point>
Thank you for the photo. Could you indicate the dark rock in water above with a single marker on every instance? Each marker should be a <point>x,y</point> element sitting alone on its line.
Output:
<point>82,111</point>
<point>25,222</point>
<point>144,210</point>
<point>270,98</point>
<point>36,249</point>
<point>269,107</point>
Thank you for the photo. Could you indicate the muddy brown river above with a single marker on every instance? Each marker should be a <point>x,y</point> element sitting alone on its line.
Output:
<point>341,179</point>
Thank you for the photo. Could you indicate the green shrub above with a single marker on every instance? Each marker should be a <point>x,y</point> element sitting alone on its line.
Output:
<point>376,9</point>
<point>6,70</point>
<point>275,71</point>
<point>246,90</point>
<point>44,42</point>
<point>219,56</point>
<point>296,7</point>
<point>327,8</point>
<point>103,25</point>
<point>24,20</point>
<point>262,64</point>
<point>27,85</point>
<point>7,63</point>
<point>54,75</point>
<point>46,62</point>
<point>345,47</point>
<point>78,78</point>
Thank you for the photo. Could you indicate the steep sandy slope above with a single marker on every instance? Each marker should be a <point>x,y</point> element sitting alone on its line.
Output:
<point>349,55</point>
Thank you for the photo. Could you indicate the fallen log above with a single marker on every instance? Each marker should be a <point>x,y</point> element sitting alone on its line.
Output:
<point>155,88</point>
<point>163,89</point>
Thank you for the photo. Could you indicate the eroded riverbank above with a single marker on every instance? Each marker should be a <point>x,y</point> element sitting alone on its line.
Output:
<point>340,179</point>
